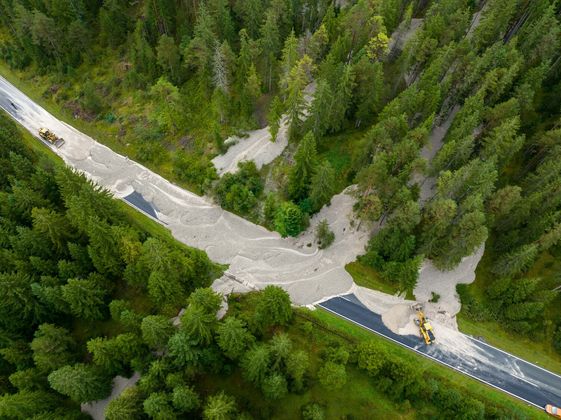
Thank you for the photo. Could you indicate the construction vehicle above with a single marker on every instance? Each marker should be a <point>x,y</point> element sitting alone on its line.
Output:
<point>424,325</point>
<point>51,137</point>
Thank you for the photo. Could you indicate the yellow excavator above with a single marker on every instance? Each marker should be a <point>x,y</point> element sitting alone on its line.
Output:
<point>424,325</point>
<point>51,137</point>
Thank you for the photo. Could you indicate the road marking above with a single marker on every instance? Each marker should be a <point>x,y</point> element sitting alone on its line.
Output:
<point>512,355</point>
<point>430,357</point>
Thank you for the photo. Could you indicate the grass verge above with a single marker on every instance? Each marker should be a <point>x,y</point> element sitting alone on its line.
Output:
<point>535,350</point>
<point>368,277</point>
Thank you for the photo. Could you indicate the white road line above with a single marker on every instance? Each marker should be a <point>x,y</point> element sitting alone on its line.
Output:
<point>516,357</point>
<point>430,357</point>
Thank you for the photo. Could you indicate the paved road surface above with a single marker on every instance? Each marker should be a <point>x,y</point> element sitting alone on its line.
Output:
<point>483,362</point>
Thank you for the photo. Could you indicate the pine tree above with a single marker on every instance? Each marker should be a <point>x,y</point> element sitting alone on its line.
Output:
<point>270,45</point>
<point>517,261</point>
<point>53,347</point>
<point>288,220</point>
<point>288,60</point>
<point>322,185</point>
<point>295,103</point>
<point>158,406</point>
<point>199,52</point>
<point>82,383</point>
<point>198,324</point>
<point>255,364</point>
<point>168,57</point>
<point>274,117</point>
<point>305,164</point>
<point>185,399</point>
<point>156,331</point>
<point>27,404</point>
<point>321,108</point>
<point>85,297</point>
<point>128,405</point>
<point>219,407</point>
<point>233,338</point>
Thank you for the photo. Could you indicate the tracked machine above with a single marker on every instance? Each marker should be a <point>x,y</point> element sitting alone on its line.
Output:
<point>424,325</point>
<point>51,137</point>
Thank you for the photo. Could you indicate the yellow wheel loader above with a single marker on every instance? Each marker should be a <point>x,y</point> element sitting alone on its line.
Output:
<point>424,325</point>
<point>51,137</point>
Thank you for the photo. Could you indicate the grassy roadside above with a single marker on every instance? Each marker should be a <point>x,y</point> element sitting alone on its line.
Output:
<point>359,398</point>
<point>442,373</point>
<point>368,277</point>
<point>537,351</point>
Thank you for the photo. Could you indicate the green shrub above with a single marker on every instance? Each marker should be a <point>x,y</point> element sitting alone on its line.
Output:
<point>324,236</point>
<point>196,170</point>
<point>289,219</point>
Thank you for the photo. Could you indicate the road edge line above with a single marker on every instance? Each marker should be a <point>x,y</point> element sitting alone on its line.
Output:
<point>510,354</point>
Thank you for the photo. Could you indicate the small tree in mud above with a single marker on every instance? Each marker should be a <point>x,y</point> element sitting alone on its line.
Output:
<point>324,236</point>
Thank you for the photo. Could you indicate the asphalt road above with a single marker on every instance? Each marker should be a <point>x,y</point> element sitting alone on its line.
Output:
<point>483,362</point>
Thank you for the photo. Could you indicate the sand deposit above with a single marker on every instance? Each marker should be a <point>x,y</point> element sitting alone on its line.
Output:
<point>257,145</point>
<point>444,284</point>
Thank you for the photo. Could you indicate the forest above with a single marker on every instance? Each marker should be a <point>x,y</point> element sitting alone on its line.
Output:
<point>166,82</point>
<point>87,295</point>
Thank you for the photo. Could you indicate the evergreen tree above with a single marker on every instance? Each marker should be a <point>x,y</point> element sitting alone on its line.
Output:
<point>86,298</point>
<point>158,406</point>
<point>305,164</point>
<point>255,364</point>
<point>288,60</point>
<point>274,117</point>
<point>270,46</point>
<point>273,307</point>
<point>82,383</point>
<point>289,220</point>
<point>219,407</point>
<point>128,405</point>
<point>113,22</point>
<point>295,103</point>
<point>168,57</point>
<point>206,299</point>
<point>233,338</point>
<point>185,399</point>
<point>198,324</point>
<point>322,185</point>
<point>156,331</point>
<point>26,404</point>
<point>297,365</point>
<point>53,347</point>
<point>516,262</point>
<point>274,386</point>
